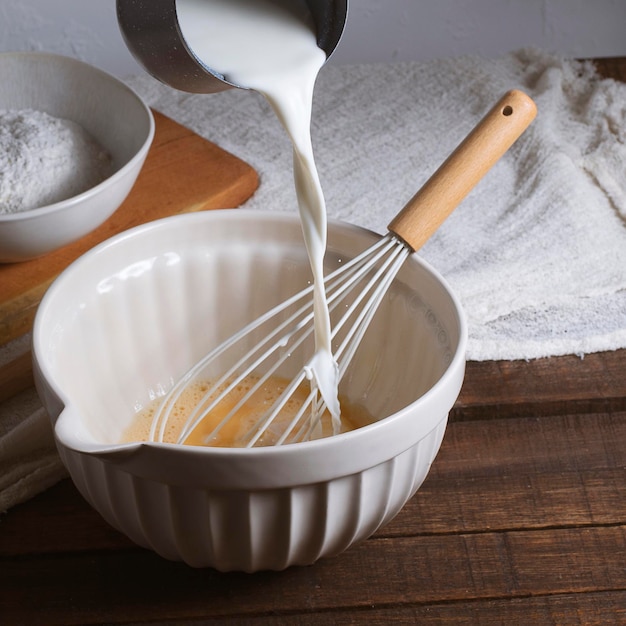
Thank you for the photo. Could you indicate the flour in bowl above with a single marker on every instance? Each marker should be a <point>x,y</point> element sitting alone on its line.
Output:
<point>45,159</point>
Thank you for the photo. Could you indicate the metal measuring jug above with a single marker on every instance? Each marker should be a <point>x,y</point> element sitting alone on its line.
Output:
<point>153,35</point>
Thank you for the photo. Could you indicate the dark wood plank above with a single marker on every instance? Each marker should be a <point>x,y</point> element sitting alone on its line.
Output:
<point>612,67</point>
<point>523,473</point>
<point>525,501</point>
<point>71,525</point>
<point>557,385</point>
<point>16,376</point>
<point>590,609</point>
<point>137,585</point>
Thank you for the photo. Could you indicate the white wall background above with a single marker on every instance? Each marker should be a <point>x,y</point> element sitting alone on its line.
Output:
<point>377,30</point>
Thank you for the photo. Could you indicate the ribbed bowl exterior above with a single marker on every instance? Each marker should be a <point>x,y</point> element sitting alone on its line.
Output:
<point>128,317</point>
<point>238,530</point>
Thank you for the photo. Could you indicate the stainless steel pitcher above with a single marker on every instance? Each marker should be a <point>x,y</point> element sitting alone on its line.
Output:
<point>152,33</point>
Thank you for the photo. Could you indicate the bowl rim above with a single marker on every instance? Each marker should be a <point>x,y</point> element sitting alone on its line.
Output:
<point>68,203</point>
<point>136,454</point>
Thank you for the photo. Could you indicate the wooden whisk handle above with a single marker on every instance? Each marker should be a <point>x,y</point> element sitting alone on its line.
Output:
<point>460,172</point>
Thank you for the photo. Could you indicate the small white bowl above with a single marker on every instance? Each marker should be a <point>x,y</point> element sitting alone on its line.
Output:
<point>108,110</point>
<point>135,312</point>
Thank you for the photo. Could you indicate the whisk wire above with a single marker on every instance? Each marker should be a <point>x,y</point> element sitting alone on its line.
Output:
<point>377,287</point>
<point>386,255</point>
<point>255,433</point>
<point>163,414</point>
<point>314,422</point>
<point>229,381</point>
<point>372,272</point>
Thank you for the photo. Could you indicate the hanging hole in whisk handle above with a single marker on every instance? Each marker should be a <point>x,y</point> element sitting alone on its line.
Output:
<point>494,134</point>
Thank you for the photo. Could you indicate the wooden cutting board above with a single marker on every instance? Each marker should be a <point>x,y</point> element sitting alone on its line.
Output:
<point>183,172</point>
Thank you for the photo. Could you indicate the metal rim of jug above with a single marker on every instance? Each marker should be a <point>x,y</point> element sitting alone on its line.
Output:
<point>152,34</point>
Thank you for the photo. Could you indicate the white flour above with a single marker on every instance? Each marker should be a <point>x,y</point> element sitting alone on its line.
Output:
<point>44,159</point>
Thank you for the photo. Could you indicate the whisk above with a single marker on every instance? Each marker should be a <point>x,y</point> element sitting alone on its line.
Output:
<point>254,355</point>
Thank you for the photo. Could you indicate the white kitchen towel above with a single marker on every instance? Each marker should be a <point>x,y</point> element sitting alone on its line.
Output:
<point>536,253</point>
<point>29,462</point>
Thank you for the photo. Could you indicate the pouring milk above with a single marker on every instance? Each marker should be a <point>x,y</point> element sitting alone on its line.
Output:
<point>270,46</point>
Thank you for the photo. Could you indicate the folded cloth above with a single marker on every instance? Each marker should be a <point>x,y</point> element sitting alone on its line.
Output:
<point>29,462</point>
<point>536,253</point>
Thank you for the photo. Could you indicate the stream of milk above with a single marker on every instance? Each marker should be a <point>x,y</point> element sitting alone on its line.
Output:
<point>270,46</point>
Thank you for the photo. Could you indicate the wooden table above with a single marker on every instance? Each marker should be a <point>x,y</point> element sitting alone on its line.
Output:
<point>522,520</point>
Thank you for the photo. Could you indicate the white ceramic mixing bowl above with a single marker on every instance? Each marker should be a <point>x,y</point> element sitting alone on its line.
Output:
<point>132,314</point>
<point>108,110</point>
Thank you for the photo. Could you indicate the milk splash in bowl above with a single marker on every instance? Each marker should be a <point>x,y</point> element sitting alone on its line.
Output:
<point>270,46</point>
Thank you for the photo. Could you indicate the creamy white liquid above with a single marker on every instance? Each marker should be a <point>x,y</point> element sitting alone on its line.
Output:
<point>270,46</point>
